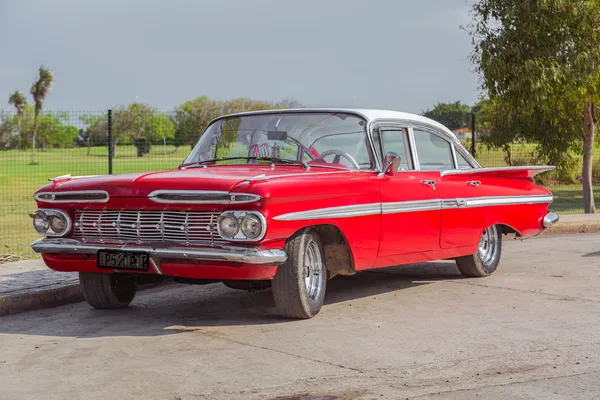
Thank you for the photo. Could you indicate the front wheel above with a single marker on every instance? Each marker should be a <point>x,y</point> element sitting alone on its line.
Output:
<point>299,284</point>
<point>485,261</point>
<point>107,291</point>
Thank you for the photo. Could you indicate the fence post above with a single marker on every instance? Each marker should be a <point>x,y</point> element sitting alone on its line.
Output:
<point>110,143</point>
<point>473,134</point>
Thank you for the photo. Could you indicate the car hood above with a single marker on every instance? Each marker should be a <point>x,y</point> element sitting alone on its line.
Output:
<point>217,178</point>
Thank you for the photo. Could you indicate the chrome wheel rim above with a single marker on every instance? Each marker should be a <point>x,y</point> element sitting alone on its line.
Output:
<point>313,270</point>
<point>488,245</point>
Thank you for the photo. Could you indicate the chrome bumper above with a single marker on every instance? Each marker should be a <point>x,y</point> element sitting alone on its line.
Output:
<point>549,220</point>
<point>232,254</point>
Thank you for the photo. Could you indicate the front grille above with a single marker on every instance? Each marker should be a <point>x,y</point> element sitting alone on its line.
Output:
<point>114,226</point>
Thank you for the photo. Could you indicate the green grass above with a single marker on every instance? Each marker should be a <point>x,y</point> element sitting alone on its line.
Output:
<point>19,179</point>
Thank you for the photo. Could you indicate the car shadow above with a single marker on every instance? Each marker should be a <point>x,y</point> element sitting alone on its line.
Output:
<point>593,254</point>
<point>177,308</point>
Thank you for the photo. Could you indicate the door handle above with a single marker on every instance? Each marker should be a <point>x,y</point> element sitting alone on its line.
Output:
<point>429,183</point>
<point>474,183</point>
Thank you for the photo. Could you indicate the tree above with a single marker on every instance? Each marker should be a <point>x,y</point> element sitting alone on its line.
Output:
<point>142,124</point>
<point>540,61</point>
<point>289,102</point>
<point>192,117</point>
<point>18,100</point>
<point>137,123</point>
<point>39,91</point>
<point>452,115</point>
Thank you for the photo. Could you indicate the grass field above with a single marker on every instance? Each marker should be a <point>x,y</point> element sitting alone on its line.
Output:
<point>18,181</point>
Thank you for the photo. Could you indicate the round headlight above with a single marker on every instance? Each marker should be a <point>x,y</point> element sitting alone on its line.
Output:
<point>40,222</point>
<point>251,226</point>
<point>58,224</point>
<point>229,225</point>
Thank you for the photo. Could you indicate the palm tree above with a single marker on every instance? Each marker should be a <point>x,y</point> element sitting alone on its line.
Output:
<point>18,100</point>
<point>39,91</point>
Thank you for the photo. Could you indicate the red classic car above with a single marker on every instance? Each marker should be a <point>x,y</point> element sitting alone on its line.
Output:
<point>288,199</point>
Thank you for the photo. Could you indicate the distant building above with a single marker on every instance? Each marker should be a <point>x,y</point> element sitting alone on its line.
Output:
<point>464,133</point>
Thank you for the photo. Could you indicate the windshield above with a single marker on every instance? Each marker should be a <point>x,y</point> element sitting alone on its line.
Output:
<point>315,138</point>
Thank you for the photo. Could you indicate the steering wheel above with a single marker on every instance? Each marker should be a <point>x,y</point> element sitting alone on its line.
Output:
<point>338,155</point>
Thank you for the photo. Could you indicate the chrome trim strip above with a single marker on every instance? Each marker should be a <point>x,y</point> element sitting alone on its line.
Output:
<point>506,200</point>
<point>73,193</point>
<point>155,266</point>
<point>227,197</point>
<point>231,254</point>
<point>410,206</point>
<point>454,159</point>
<point>538,168</point>
<point>359,210</point>
<point>413,149</point>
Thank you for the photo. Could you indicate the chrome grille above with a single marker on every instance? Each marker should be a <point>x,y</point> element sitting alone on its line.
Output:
<point>114,226</point>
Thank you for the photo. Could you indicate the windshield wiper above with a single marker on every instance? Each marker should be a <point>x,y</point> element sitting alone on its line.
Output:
<point>272,159</point>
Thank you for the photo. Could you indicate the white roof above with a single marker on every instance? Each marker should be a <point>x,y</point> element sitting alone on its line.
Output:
<point>369,114</point>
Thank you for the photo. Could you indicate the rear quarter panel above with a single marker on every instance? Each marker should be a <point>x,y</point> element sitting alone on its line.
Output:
<point>525,219</point>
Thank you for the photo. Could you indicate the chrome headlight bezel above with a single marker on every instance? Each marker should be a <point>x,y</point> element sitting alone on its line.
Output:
<point>239,235</point>
<point>48,214</point>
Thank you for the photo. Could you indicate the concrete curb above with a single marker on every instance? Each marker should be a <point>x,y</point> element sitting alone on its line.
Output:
<point>49,298</point>
<point>39,299</point>
<point>574,227</point>
<point>578,223</point>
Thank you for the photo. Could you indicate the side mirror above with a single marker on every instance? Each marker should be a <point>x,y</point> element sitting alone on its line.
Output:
<point>391,163</point>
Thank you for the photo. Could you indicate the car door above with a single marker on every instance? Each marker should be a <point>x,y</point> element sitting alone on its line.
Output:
<point>410,220</point>
<point>460,226</point>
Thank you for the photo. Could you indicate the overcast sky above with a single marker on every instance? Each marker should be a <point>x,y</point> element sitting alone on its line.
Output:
<point>395,54</point>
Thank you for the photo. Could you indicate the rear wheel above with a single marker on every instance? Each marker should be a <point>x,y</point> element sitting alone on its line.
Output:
<point>107,291</point>
<point>485,261</point>
<point>299,284</point>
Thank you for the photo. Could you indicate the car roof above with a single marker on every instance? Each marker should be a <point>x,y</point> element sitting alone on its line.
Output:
<point>367,113</point>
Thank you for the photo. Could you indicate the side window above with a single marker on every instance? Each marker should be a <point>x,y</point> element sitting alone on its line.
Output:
<point>462,162</point>
<point>434,152</point>
<point>397,141</point>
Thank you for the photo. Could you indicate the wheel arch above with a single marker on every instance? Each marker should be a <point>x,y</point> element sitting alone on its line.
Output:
<point>339,259</point>
<point>507,229</point>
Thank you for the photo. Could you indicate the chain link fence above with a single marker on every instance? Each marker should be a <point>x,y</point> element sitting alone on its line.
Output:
<point>77,143</point>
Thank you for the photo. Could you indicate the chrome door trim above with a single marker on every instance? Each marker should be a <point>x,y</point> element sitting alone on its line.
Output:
<point>413,148</point>
<point>454,159</point>
<point>385,208</point>
<point>358,210</point>
<point>410,206</point>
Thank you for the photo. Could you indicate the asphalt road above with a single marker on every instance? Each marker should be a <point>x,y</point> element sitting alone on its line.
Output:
<point>532,330</point>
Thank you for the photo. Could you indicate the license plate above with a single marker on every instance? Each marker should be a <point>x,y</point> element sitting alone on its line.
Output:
<point>122,260</point>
